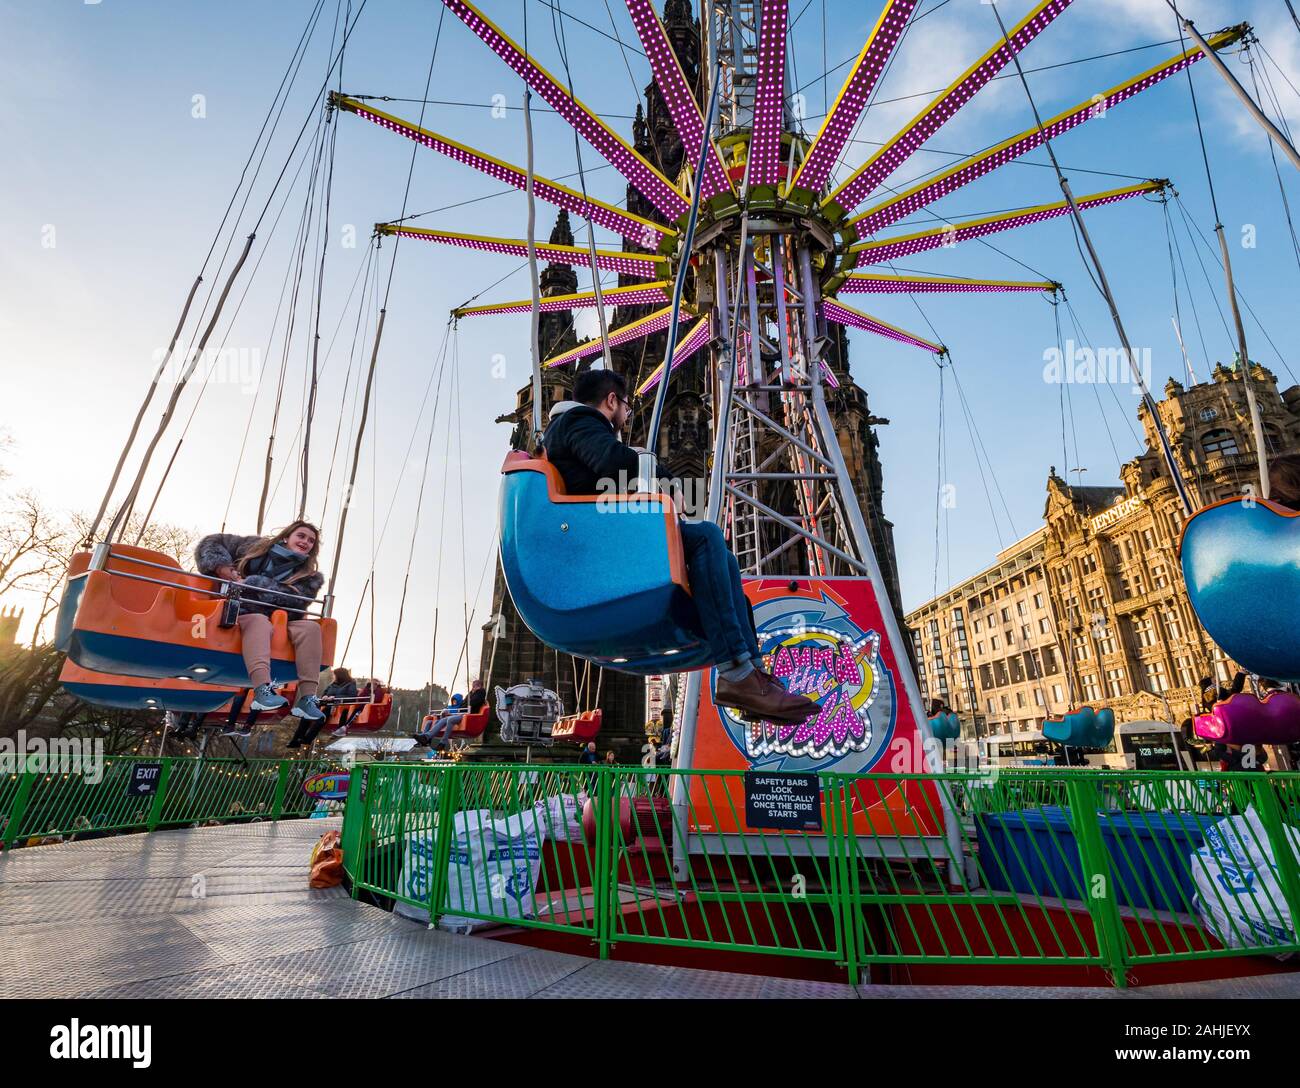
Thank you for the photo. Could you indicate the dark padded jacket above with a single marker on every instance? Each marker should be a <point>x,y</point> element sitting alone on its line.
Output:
<point>582,445</point>
<point>225,549</point>
<point>341,691</point>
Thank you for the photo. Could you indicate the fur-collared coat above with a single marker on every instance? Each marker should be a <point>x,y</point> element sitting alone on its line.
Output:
<point>226,549</point>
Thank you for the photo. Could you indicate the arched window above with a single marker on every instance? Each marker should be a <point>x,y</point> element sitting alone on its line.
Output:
<point>1219,441</point>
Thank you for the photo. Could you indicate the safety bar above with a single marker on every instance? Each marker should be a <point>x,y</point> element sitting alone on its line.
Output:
<point>104,552</point>
<point>223,594</point>
<point>156,566</point>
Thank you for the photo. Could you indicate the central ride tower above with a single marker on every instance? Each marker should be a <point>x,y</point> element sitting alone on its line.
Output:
<point>778,482</point>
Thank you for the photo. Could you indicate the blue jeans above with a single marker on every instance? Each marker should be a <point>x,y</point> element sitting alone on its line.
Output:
<point>442,730</point>
<point>719,595</point>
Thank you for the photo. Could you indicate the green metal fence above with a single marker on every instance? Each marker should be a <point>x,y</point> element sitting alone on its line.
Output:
<point>40,802</point>
<point>1036,867</point>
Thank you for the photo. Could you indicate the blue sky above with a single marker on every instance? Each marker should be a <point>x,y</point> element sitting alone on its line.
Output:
<point>117,175</point>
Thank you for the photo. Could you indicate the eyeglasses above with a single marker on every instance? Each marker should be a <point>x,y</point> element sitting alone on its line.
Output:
<point>624,400</point>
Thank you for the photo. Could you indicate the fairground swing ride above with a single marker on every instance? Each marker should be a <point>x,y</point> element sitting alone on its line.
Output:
<point>753,251</point>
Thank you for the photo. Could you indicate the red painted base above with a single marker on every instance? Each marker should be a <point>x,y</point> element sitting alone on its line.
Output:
<point>906,929</point>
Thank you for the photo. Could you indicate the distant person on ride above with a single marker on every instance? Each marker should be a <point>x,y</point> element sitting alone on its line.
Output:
<point>1240,757</point>
<point>582,443</point>
<point>454,708</point>
<point>1231,757</point>
<point>373,692</point>
<point>477,699</point>
<point>1210,694</point>
<point>441,728</point>
<point>341,687</point>
<point>272,572</point>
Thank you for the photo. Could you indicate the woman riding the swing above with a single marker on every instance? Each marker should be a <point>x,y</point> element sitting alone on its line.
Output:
<point>272,572</point>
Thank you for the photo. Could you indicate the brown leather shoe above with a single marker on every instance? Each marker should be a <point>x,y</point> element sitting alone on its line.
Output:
<point>762,697</point>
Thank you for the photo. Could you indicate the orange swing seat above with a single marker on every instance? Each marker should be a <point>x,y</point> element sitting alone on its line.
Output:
<point>140,614</point>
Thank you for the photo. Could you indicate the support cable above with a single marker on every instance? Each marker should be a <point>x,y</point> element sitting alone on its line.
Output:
<point>1235,87</point>
<point>300,246</point>
<point>557,28</point>
<point>1272,153</point>
<point>1102,283</point>
<point>324,238</point>
<point>379,330</point>
<point>275,321</point>
<point>535,313</point>
<point>419,506</point>
<point>196,353</point>
<point>684,261</point>
<point>1252,403</point>
<point>1188,223</point>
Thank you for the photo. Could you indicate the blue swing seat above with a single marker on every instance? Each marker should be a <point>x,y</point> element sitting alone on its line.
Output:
<point>73,586</point>
<point>1241,563</point>
<point>601,577</point>
<point>1082,728</point>
<point>945,726</point>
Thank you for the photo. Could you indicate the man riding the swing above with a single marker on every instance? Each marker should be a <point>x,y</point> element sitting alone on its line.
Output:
<point>582,443</point>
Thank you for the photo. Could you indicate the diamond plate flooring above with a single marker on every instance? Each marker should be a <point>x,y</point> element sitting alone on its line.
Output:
<point>225,912</point>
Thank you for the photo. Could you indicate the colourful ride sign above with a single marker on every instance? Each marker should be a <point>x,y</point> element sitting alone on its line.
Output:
<point>824,639</point>
<point>327,786</point>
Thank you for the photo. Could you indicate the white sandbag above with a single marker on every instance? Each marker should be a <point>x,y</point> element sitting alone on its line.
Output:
<point>560,816</point>
<point>417,876</point>
<point>493,868</point>
<point>494,862</point>
<point>1239,896</point>
<point>417,859</point>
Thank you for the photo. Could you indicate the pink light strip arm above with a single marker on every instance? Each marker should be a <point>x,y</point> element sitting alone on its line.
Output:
<point>650,294</point>
<point>838,126</point>
<point>926,123</point>
<point>640,265</point>
<point>855,319</point>
<point>695,339</point>
<point>902,205</point>
<point>950,234</point>
<point>682,107</point>
<point>641,231</point>
<point>656,188</point>
<point>769,94</point>
<point>870,283</point>
<point>646,326</point>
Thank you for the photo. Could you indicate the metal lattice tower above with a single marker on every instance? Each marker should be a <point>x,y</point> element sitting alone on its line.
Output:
<point>779,485</point>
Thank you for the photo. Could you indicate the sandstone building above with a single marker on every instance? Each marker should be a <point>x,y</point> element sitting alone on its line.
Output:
<point>1100,580</point>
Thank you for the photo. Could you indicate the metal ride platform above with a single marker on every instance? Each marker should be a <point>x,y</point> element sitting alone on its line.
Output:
<point>119,918</point>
